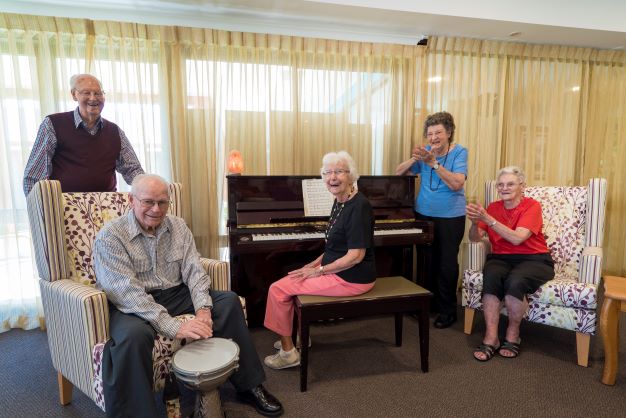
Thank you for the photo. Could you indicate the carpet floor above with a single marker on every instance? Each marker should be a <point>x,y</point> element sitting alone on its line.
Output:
<point>355,370</point>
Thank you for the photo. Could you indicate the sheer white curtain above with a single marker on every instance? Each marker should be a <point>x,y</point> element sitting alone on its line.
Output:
<point>37,59</point>
<point>29,88</point>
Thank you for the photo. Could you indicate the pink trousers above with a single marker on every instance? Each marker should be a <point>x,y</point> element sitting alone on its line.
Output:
<point>279,310</point>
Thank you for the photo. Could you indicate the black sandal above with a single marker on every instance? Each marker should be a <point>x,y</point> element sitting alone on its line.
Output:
<point>487,349</point>
<point>513,348</point>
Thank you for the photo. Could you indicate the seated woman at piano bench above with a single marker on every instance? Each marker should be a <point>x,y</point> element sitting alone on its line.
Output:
<point>442,167</point>
<point>519,262</point>
<point>346,268</point>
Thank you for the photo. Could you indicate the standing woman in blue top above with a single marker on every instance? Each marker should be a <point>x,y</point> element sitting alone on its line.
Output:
<point>442,166</point>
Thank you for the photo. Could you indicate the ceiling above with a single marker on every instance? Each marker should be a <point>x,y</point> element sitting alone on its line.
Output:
<point>597,24</point>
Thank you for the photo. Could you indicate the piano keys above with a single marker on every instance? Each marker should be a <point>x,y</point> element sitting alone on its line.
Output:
<point>270,236</point>
<point>286,236</point>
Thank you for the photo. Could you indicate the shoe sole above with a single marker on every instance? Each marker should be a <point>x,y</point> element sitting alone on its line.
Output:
<point>283,367</point>
<point>259,410</point>
<point>268,414</point>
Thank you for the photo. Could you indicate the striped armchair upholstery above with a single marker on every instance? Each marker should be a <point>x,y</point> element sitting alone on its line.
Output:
<point>64,226</point>
<point>574,229</point>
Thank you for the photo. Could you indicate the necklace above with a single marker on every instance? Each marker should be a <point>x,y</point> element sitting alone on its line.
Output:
<point>443,164</point>
<point>334,214</point>
<point>430,183</point>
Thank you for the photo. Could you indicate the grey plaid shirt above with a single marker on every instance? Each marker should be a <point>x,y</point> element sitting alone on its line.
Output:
<point>129,263</point>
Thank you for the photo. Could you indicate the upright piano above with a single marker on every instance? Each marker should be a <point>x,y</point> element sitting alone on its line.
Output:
<point>270,236</point>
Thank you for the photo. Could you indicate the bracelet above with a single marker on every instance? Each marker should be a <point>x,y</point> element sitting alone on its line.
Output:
<point>492,224</point>
<point>321,270</point>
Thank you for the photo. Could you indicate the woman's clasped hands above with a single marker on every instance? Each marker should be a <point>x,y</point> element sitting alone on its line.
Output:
<point>420,153</point>
<point>475,212</point>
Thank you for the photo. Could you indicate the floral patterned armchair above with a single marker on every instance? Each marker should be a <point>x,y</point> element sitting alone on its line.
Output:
<point>63,227</point>
<point>573,220</point>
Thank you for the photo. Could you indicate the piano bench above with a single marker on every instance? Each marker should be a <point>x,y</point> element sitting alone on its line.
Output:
<point>395,295</point>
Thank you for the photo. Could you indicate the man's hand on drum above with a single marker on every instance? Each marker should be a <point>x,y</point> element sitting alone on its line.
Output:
<point>197,328</point>
<point>204,315</point>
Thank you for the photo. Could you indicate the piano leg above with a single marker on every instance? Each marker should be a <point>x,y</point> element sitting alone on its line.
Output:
<point>407,261</point>
<point>423,254</point>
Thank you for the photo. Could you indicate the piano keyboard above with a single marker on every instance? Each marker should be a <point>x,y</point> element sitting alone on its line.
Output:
<point>316,235</point>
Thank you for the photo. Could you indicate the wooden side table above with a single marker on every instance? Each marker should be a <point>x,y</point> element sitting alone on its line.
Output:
<point>614,295</point>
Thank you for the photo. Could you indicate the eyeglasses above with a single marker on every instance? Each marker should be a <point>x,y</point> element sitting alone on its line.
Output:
<point>507,185</point>
<point>149,203</point>
<point>434,134</point>
<point>87,94</point>
<point>336,172</point>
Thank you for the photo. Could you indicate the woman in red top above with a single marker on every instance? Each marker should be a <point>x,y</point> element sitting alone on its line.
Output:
<point>519,262</point>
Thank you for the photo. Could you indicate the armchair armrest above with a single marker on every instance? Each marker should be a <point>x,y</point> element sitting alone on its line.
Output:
<point>77,318</point>
<point>590,269</point>
<point>218,271</point>
<point>220,277</point>
<point>477,253</point>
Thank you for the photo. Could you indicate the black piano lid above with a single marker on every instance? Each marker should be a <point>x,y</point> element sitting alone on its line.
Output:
<point>281,196</point>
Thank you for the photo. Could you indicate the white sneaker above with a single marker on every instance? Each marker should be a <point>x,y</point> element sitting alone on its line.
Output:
<point>283,359</point>
<point>278,346</point>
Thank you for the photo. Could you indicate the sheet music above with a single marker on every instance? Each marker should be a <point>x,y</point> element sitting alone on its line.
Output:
<point>318,201</point>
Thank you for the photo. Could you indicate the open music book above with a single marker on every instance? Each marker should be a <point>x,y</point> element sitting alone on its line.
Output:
<point>318,201</point>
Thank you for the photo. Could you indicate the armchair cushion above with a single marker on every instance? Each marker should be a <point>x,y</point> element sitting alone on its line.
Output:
<point>564,212</point>
<point>84,215</point>
<point>566,292</point>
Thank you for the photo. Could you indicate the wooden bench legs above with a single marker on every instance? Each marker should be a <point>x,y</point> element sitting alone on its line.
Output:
<point>306,314</point>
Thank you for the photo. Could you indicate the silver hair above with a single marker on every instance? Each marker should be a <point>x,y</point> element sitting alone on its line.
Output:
<point>135,187</point>
<point>512,169</point>
<point>334,158</point>
<point>77,77</point>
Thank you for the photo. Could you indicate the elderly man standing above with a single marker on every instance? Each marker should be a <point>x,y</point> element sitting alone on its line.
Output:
<point>148,266</point>
<point>80,148</point>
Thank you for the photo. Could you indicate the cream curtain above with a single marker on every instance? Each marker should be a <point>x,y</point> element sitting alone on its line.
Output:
<point>187,96</point>
<point>283,102</point>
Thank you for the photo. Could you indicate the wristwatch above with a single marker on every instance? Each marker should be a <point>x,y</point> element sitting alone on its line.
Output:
<point>321,270</point>
<point>436,165</point>
<point>205,307</point>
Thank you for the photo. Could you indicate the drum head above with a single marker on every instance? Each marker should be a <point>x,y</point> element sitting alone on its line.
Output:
<point>203,357</point>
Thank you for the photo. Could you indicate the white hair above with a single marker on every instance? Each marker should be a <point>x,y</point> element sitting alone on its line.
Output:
<point>139,179</point>
<point>334,158</point>
<point>512,169</point>
<point>77,77</point>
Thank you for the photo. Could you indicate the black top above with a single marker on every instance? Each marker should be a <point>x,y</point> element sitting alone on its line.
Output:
<point>352,229</point>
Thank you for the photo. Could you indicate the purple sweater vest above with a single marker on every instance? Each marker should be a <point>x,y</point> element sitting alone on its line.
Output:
<point>82,162</point>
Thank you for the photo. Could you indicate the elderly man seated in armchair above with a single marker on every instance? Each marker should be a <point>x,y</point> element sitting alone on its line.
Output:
<point>148,266</point>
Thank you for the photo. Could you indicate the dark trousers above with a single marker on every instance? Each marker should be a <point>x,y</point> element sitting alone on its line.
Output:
<point>127,357</point>
<point>442,267</point>
<point>516,275</point>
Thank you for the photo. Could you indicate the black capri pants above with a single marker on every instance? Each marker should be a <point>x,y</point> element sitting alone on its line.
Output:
<point>516,274</point>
